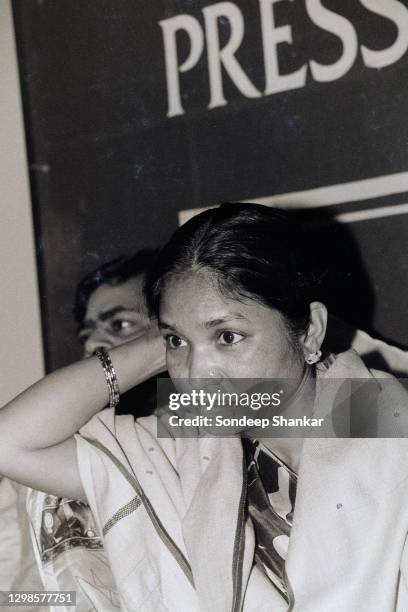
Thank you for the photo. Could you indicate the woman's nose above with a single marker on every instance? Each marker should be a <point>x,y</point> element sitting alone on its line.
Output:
<point>201,366</point>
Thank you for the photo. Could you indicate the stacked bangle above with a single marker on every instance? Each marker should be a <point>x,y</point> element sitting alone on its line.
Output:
<point>110,375</point>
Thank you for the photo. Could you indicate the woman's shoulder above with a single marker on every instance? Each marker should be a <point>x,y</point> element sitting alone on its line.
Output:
<point>106,424</point>
<point>349,364</point>
<point>115,434</point>
<point>376,400</point>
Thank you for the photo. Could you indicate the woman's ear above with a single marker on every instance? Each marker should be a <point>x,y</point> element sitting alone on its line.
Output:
<point>313,338</point>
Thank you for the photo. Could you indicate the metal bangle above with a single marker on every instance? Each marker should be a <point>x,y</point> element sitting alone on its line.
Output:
<point>110,374</point>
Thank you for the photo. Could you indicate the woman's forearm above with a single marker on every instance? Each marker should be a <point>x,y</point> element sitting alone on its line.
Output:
<point>54,408</point>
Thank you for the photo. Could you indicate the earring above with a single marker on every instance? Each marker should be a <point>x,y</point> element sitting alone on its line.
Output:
<point>313,357</point>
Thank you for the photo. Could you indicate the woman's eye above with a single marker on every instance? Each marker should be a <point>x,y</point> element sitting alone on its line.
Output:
<point>229,337</point>
<point>174,342</point>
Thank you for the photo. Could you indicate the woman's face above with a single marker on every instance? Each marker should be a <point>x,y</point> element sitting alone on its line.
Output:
<point>210,335</point>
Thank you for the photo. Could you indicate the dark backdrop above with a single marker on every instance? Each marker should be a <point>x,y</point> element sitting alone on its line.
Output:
<point>110,171</point>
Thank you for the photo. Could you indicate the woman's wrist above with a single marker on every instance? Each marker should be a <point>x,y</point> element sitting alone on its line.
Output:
<point>62,402</point>
<point>138,360</point>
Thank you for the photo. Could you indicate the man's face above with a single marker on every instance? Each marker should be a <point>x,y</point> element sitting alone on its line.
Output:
<point>114,315</point>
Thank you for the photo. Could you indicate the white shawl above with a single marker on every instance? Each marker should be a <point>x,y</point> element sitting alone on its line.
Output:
<point>172,513</point>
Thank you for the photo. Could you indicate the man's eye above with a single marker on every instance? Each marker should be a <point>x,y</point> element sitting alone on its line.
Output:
<point>174,342</point>
<point>121,325</point>
<point>229,337</point>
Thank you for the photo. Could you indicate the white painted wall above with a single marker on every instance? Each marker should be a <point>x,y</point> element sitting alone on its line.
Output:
<point>21,352</point>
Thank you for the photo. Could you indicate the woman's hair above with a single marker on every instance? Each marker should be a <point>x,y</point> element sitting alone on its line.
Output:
<point>253,251</point>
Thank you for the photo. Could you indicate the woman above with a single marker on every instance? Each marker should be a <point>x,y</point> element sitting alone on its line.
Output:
<point>218,524</point>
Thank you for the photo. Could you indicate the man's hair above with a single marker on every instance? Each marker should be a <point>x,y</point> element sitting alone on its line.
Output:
<point>115,272</point>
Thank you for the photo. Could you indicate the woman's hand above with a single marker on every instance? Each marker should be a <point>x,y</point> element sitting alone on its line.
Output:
<point>37,447</point>
<point>138,360</point>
